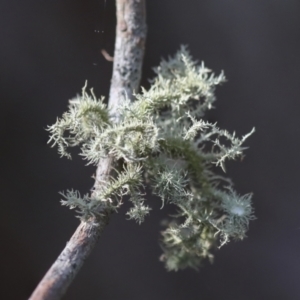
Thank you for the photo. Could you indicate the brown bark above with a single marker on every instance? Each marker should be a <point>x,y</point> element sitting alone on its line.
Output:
<point>128,57</point>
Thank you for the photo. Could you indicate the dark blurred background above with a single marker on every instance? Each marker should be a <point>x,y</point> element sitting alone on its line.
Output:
<point>49,48</point>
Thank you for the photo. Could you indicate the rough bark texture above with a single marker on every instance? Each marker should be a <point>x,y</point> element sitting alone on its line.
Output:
<point>129,50</point>
<point>62,272</point>
<point>128,57</point>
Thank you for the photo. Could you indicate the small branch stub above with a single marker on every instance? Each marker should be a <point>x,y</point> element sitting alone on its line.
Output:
<point>106,55</point>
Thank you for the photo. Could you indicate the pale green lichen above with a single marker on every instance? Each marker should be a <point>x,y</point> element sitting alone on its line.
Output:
<point>162,139</point>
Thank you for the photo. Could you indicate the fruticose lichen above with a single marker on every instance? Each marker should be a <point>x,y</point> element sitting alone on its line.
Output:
<point>162,139</point>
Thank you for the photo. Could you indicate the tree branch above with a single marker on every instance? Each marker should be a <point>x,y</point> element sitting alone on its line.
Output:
<point>128,57</point>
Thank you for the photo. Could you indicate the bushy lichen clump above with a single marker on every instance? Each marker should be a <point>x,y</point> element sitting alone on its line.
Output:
<point>161,139</point>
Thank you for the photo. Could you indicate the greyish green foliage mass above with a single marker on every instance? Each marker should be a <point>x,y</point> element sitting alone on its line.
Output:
<point>162,140</point>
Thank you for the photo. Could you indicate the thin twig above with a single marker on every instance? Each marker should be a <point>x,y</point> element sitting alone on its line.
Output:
<point>128,57</point>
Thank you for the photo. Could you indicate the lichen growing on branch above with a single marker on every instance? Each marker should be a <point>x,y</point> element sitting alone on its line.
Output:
<point>161,139</point>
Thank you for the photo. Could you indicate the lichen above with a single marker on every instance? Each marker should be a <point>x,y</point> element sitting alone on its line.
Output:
<point>162,139</point>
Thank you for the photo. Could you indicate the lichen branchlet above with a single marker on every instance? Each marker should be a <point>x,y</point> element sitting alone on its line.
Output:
<point>162,139</point>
